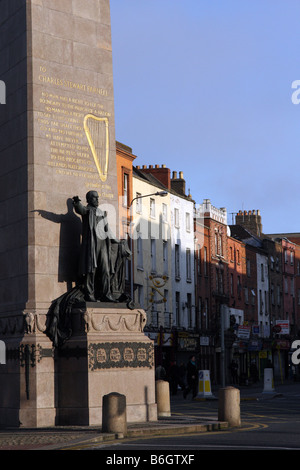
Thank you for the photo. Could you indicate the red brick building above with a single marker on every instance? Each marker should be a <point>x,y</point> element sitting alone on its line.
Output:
<point>288,278</point>
<point>202,273</point>
<point>203,295</point>
<point>249,271</point>
<point>274,250</point>
<point>236,273</point>
<point>297,286</point>
<point>212,281</point>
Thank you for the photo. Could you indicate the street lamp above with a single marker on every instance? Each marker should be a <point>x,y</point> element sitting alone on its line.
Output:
<point>158,193</point>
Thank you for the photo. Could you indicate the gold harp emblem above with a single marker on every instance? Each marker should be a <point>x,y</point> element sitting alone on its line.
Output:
<point>96,130</point>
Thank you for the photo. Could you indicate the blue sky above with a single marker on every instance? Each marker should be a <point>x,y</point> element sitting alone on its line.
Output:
<point>205,87</point>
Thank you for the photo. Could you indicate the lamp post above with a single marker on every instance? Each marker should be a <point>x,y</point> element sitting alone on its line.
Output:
<point>222,319</point>
<point>222,311</point>
<point>158,193</point>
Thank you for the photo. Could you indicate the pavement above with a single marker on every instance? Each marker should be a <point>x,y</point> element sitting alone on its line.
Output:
<point>180,421</point>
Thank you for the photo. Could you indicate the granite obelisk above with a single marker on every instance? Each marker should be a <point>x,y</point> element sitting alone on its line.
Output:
<point>57,140</point>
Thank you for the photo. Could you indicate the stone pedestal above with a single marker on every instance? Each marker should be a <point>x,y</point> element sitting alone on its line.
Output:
<point>112,354</point>
<point>107,352</point>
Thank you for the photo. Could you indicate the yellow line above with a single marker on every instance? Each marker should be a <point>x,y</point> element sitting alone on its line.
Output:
<point>251,427</point>
<point>250,415</point>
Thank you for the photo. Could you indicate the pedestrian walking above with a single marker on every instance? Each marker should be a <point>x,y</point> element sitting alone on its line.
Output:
<point>253,372</point>
<point>174,378</point>
<point>182,376</point>
<point>234,372</point>
<point>191,377</point>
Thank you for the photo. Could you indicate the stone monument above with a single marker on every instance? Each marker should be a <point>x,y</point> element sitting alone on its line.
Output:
<point>57,140</point>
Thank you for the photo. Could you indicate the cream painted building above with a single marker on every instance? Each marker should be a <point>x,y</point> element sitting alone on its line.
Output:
<point>182,245</point>
<point>263,294</point>
<point>150,228</point>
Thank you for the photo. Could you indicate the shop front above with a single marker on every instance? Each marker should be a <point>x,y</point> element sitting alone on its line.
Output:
<point>187,344</point>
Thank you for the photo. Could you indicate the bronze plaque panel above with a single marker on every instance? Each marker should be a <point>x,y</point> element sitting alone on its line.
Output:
<point>120,355</point>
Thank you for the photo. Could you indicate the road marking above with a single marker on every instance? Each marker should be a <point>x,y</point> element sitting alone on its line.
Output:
<point>132,441</point>
<point>216,446</point>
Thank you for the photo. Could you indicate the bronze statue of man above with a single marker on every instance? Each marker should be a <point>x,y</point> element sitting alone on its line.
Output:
<point>99,250</point>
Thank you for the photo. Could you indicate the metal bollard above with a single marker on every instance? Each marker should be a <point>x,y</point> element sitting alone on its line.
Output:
<point>114,419</point>
<point>162,389</point>
<point>229,406</point>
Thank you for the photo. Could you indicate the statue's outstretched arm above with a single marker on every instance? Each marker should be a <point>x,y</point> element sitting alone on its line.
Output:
<point>79,208</point>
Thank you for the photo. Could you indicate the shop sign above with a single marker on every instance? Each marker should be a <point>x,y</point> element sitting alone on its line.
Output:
<point>242,345</point>
<point>204,340</point>
<point>156,284</point>
<point>282,344</point>
<point>263,354</point>
<point>254,345</point>
<point>284,325</point>
<point>243,331</point>
<point>187,342</point>
<point>255,329</point>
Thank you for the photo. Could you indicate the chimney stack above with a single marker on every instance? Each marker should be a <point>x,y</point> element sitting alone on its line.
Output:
<point>250,220</point>
<point>162,173</point>
<point>178,184</point>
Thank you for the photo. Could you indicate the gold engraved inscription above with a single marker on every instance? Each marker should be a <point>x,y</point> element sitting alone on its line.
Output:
<point>64,83</point>
<point>62,122</point>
